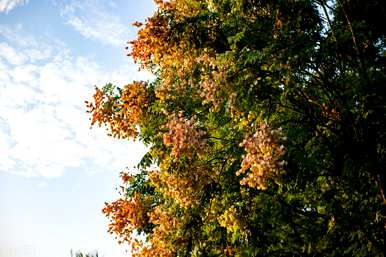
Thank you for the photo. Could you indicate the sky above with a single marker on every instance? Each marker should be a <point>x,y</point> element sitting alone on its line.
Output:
<point>56,172</point>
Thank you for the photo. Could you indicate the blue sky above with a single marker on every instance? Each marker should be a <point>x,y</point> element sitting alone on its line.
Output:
<point>56,173</point>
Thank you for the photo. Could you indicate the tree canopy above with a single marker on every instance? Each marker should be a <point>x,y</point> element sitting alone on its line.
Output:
<point>266,128</point>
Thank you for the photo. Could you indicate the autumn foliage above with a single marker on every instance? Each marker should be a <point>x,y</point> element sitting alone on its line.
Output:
<point>266,128</point>
<point>123,114</point>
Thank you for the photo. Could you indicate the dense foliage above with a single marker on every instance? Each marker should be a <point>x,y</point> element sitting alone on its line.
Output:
<point>266,125</point>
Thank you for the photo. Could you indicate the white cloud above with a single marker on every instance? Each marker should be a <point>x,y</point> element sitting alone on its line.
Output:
<point>5,145</point>
<point>8,5</point>
<point>44,129</point>
<point>11,55</point>
<point>39,48</point>
<point>94,20</point>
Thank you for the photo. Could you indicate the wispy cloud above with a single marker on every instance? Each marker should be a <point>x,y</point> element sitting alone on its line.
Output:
<point>44,129</point>
<point>39,48</point>
<point>7,5</point>
<point>94,19</point>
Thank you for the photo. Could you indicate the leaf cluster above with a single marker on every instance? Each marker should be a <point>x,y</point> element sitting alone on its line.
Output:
<point>266,128</point>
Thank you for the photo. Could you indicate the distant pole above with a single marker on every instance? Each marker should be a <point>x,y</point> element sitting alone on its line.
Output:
<point>71,253</point>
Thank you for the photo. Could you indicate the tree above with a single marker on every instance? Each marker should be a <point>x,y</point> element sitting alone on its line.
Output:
<point>80,254</point>
<point>266,126</point>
